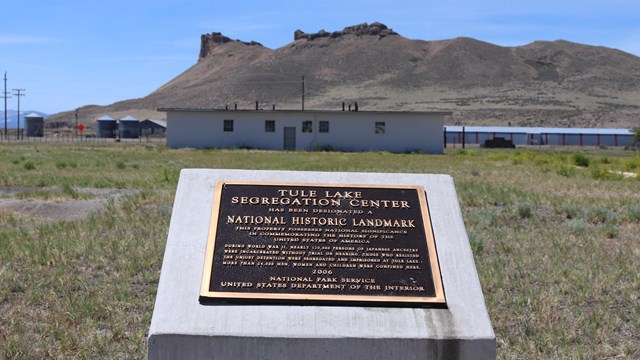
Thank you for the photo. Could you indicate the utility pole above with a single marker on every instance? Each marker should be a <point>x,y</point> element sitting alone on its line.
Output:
<point>76,128</point>
<point>5,95</point>
<point>18,93</point>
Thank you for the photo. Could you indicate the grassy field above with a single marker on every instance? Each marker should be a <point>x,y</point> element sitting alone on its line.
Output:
<point>556,238</point>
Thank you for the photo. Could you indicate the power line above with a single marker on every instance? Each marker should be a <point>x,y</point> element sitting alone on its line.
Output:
<point>18,93</point>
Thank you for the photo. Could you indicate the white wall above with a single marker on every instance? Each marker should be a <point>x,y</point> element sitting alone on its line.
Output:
<point>348,131</point>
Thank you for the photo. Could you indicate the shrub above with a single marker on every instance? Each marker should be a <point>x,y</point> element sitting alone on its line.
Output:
<point>326,148</point>
<point>580,160</point>
<point>29,165</point>
<point>571,211</point>
<point>633,213</point>
<point>525,210</point>
<point>600,215</point>
<point>575,226</point>
<point>636,135</point>
<point>632,164</point>
<point>610,231</point>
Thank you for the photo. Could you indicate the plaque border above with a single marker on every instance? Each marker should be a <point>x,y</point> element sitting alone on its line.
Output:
<point>272,298</point>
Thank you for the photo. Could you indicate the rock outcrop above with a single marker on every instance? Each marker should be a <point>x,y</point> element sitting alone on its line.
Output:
<point>374,29</point>
<point>208,42</point>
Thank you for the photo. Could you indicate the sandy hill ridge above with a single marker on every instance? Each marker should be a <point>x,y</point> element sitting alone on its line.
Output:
<point>544,83</point>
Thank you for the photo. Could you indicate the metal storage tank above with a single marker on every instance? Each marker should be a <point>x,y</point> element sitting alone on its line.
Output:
<point>129,127</point>
<point>34,125</point>
<point>106,127</point>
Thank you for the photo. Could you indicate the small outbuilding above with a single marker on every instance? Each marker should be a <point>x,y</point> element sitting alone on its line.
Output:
<point>153,127</point>
<point>399,131</point>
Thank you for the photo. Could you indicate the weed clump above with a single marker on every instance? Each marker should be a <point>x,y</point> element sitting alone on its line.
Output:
<point>581,160</point>
<point>566,171</point>
<point>70,191</point>
<point>600,215</point>
<point>571,211</point>
<point>525,210</point>
<point>477,244</point>
<point>632,164</point>
<point>29,165</point>
<point>610,231</point>
<point>604,174</point>
<point>633,214</point>
<point>575,226</point>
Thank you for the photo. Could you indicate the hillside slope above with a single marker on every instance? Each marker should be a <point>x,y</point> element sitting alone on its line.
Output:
<point>555,83</point>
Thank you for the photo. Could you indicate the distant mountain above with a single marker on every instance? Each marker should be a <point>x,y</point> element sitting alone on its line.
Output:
<point>557,83</point>
<point>12,118</point>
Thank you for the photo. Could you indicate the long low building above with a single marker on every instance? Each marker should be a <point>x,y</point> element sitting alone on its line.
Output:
<point>539,136</point>
<point>306,130</point>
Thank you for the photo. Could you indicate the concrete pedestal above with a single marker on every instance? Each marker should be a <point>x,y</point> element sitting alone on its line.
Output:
<point>182,328</point>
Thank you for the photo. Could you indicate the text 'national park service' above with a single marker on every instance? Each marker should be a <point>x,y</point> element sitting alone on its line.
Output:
<point>320,242</point>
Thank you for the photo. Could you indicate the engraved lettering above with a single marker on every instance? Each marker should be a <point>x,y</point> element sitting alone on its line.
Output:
<point>314,242</point>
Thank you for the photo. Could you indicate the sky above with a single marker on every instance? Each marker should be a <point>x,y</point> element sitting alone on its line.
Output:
<point>71,53</point>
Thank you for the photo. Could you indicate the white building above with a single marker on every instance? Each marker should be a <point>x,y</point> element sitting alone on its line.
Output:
<point>306,130</point>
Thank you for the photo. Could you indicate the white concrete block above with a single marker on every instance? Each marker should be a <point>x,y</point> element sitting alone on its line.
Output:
<point>182,328</point>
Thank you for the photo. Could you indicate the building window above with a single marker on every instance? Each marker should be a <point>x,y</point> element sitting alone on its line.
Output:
<point>228,125</point>
<point>323,127</point>
<point>380,127</point>
<point>269,126</point>
<point>306,126</point>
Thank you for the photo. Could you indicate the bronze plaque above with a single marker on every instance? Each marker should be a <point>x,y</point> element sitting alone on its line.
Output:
<point>321,243</point>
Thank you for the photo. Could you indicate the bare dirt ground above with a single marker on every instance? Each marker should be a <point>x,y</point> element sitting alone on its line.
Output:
<point>58,208</point>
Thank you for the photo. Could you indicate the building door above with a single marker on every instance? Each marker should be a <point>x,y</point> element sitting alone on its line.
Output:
<point>289,138</point>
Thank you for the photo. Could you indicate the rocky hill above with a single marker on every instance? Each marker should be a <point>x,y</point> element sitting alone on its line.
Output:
<point>544,83</point>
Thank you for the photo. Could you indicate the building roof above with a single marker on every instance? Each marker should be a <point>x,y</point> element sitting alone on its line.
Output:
<point>128,118</point>
<point>162,123</point>
<point>105,118</point>
<point>538,130</point>
<point>444,113</point>
<point>33,115</point>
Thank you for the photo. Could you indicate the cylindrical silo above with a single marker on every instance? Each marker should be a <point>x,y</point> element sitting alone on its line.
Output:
<point>34,125</point>
<point>106,127</point>
<point>129,127</point>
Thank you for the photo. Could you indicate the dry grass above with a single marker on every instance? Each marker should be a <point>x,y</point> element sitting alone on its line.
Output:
<point>557,246</point>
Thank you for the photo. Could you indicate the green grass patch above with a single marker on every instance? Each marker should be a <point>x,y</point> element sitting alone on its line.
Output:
<point>555,247</point>
<point>581,160</point>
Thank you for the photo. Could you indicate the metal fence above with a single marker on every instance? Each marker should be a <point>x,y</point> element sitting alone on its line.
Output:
<point>68,138</point>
